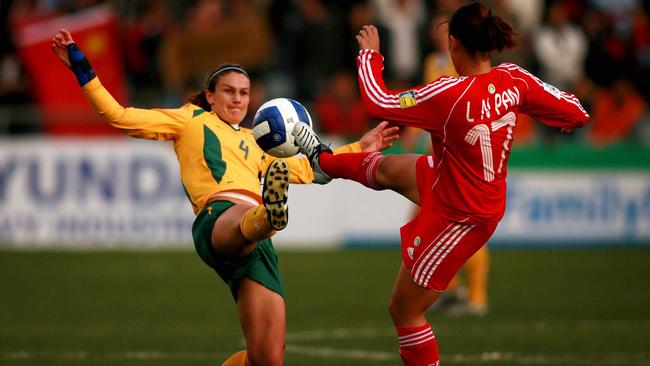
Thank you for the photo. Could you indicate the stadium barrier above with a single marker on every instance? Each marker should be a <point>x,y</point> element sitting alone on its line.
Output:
<point>127,192</point>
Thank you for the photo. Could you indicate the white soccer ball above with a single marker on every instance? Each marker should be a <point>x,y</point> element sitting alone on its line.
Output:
<point>273,123</point>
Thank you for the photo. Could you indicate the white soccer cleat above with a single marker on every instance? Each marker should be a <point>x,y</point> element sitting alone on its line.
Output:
<point>309,144</point>
<point>275,193</point>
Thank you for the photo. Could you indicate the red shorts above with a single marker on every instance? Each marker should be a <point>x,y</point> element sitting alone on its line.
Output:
<point>433,246</point>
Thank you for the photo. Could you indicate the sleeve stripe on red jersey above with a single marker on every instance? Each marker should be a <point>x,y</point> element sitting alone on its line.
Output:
<point>370,90</point>
<point>565,96</point>
<point>423,94</point>
<point>391,100</point>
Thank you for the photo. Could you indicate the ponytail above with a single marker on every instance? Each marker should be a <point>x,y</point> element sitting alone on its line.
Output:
<point>198,98</point>
<point>480,31</point>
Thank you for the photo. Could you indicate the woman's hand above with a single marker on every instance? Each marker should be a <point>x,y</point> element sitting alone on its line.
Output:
<point>71,56</point>
<point>368,38</point>
<point>379,138</point>
<point>60,44</point>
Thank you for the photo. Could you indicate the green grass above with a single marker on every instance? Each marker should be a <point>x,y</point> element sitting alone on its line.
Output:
<point>547,307</point>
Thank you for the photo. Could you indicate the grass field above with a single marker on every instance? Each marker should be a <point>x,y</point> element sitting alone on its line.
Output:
<point>547,307</point>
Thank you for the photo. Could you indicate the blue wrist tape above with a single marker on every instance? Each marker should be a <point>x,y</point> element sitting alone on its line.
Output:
<point>79,64</point>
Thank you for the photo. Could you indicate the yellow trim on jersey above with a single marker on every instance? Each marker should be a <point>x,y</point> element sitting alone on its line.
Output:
<point>213,156</point>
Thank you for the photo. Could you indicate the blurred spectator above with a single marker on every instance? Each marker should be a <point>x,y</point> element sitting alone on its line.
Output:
<point>521,54</point>
<point>605,60</point>
<point>359,13</point>
<point>641,46</point>
<point>143,36</point>
<point>615,113</point>
<point>620,12</point>
<point>319,46</point>
<point>214,33</point>
<point>309,34</point>
<point>15,116</point>
<point>438,62</point>
<point>339,109</point>
<point>403,19</point>
<point>527,14</point>
<point>561,48</point>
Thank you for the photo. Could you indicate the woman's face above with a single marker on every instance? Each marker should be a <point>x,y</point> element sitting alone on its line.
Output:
<point>230,97</point>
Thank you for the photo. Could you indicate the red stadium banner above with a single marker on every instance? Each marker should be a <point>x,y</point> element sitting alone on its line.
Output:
<point>64,107</point>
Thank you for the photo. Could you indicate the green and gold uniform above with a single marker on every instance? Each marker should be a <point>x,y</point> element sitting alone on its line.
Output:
<point>214,157</point>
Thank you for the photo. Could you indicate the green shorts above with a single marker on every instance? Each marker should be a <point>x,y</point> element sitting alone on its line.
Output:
<point>261,265</point>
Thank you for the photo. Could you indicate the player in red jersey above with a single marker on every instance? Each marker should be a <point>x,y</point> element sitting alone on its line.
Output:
<point>461,188</point>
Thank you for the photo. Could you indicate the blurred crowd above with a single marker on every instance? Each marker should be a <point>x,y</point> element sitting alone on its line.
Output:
<point>305,49</point>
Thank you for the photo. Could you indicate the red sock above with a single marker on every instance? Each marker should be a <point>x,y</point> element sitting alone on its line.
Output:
<point>359,167</point>
<point>418,346</point>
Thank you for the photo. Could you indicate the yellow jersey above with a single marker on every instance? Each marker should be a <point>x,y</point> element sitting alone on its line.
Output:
<point>213,155</point>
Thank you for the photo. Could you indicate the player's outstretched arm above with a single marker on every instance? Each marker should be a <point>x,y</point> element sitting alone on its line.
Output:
<point>379,138</point>
<point>71,56</point>
<point>154,124</point>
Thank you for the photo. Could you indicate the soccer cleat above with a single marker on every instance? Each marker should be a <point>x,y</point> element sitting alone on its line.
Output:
<point>309,144</point>
<point>275,192</point>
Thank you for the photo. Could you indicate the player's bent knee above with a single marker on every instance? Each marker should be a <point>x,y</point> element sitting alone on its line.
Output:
<point>405,312</point>
<point>396,172</point>
<point>384,175</point>
<point>395,310</point>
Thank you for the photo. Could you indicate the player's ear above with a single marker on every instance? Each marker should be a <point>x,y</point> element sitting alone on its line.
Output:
<point>209,96</point>
<point>453,44</point>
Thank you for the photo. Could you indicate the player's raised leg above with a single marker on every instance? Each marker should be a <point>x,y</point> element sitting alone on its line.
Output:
<point>374,170</point>
<point>240,227</point>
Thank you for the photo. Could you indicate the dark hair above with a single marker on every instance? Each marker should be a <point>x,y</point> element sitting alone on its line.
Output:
<point>479,30</point>
<point>199,98</point>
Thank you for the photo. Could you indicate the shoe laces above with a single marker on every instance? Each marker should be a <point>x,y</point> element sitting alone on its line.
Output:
<point>308,140</point>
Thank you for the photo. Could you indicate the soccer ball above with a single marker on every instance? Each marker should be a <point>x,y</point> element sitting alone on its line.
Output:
<point>273,123</point>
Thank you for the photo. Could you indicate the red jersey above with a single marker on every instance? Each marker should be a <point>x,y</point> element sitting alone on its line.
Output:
<point>471,120</point>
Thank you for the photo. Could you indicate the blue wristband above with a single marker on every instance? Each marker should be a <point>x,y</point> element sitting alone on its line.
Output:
<point>79,65</point>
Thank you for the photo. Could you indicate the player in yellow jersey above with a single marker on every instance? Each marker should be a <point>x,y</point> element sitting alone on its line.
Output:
<point>221,167</point>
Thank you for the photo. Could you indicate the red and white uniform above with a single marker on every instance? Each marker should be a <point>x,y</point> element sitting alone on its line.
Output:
<point>471,120</point>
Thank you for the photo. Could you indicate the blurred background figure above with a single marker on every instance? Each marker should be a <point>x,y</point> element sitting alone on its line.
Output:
<point>339,108</point>
<point>403,21</point>
<point>560,47</point>
<point>234,30</point>
<point>14,87</point>
<point>616,113</point>
<point>144,33</point>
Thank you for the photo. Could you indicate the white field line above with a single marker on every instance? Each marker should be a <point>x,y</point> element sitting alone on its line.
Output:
<point>355,354</point>
<point>340,333</point>
<point>486,358</point>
